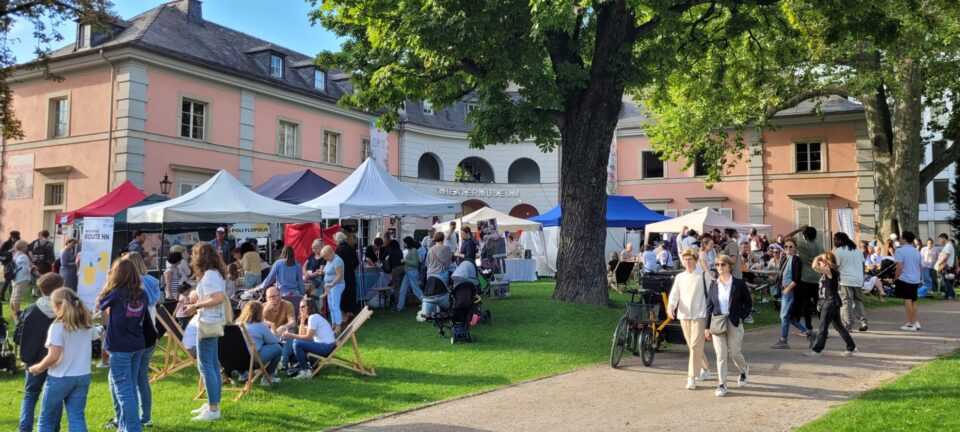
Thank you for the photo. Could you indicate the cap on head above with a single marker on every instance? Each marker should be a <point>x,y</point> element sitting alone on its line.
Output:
<point>221,229</point>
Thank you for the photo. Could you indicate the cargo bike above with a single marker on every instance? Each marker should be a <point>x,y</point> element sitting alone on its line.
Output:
<point>645,325</point>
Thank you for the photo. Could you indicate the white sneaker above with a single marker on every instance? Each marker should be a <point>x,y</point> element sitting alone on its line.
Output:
<point>691,383</point>
<point>200,410</point>
<point>103,365</point>
<point>908,327</point>
<point>721,391</point>
<point>916,325</point>
<point>421,317</point>
<point>851,353</point>
<point>304,374</point>
<point>273,380</point>
<point>207,415</point>
<point>744,377</point>
<point>704,375</point>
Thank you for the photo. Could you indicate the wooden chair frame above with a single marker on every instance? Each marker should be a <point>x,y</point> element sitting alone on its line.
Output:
<point>622,274</point>
<point>176,357</point>
<point>256,369</point>
<point>349,333</point>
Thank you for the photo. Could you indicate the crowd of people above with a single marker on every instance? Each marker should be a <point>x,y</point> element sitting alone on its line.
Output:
<point>714,293</point>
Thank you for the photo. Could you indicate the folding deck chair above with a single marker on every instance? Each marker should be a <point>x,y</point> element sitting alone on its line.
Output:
<point>175,354</point>
<point>622,275</point>
<point>349,333</point>
<point>238,352</point>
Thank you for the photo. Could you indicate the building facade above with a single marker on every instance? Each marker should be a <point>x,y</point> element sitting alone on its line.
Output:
<point>169,94</point>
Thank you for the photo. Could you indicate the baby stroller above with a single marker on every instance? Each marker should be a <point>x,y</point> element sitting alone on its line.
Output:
<point>462,312</point>
<point>8,358</point>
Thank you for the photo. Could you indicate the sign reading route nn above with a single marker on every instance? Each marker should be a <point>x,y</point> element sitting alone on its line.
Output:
<point>96,245</point>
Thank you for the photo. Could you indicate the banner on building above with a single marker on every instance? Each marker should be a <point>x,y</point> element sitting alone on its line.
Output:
<point>612,168</point>
<point>379,145</point>
<point>96,250</point>
<point>845,221</point>
<point>19,171</point>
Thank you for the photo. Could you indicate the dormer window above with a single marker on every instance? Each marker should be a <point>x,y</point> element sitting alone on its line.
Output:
<point>427,107</point>
<point>83,36</point>
<point>276,66</point>
<point>319,80</point>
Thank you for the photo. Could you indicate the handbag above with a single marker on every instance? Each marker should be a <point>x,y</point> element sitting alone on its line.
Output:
<point>718,324</point>
<point>209,328</point>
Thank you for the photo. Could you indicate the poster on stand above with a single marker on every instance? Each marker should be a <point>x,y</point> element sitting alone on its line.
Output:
<point>379,145</point>
<point>97,249</point>
<point>488,229</point>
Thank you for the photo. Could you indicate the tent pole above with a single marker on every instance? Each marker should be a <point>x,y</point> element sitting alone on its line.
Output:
<point>363,273</point>
<point>160,253</point>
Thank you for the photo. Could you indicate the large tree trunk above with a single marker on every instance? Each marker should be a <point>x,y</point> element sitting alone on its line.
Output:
<point>589,121</point>
<point>907,144</point>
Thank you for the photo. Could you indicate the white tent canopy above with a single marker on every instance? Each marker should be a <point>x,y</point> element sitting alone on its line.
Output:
<point>505,222</point>
<point>222,199</point>
<point>371,192</point>
<point>704,220</point>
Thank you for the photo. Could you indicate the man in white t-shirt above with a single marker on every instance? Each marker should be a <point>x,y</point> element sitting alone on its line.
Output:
<point>945,266</point>
<point>452,239</point>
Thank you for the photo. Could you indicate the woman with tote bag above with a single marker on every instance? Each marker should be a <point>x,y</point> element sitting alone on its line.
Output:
<point>728,304</point>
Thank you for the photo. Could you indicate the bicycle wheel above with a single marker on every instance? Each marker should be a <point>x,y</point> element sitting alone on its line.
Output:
<point>647,350</point>
<point>619,342</point>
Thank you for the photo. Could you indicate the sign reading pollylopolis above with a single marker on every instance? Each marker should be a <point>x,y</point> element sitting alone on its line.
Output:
<point>244,231</point>
<point>478,193</point>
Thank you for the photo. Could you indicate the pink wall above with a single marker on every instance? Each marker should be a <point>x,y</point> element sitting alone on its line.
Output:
<point>161,155</point>
<point>85,183</point>
<point>629,166</point>
<point>89,104</point>
<point>163,109</point>
<point>840,140</point>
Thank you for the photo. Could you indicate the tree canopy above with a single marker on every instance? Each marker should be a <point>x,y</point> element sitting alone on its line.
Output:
<point>550,71</point>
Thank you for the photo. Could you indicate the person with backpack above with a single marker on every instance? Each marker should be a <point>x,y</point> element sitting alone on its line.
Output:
<point>67,363</point>
<point>30,334</point>
<point>41,252</point>
<point>6,258</point>
<point>22,275</point>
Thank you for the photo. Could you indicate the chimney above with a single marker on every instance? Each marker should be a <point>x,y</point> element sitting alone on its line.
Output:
<point>193,9</point>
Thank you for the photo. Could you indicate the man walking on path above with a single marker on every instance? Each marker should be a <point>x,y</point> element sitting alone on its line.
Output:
<point>945,267</point>
<point>909,266</point>
<point>850,264</point>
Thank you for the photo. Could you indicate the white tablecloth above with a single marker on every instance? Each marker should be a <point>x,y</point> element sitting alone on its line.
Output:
<point>521,270</point>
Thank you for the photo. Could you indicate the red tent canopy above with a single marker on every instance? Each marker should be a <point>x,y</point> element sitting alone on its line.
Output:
<point>110,204</point>
<point>301,237</point>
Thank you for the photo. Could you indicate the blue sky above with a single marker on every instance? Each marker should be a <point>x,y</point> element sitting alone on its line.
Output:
<point>283,22</point>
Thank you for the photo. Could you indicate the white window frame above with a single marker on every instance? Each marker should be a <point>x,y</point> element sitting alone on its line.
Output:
<point>471,107</point>
<point>319,80</point>
<point>822,152</point>
<point>643,165</point>
<point>205,117</point>
<point>53,115</point>
<point>427,107</point>
<point>276,70</point>
<point>285,147</point>
<point>337,148</point>
<point>366,150</point>
<point>186,179</point>
<point>670,213</point>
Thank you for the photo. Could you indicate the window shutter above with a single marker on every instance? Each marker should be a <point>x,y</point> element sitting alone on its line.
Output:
<point>802,216</point>
<point>670,213</point>
<point>728,212</point>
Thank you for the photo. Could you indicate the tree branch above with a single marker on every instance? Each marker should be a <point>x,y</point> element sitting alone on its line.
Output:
<point>929,172</point>
<point>471,67</point>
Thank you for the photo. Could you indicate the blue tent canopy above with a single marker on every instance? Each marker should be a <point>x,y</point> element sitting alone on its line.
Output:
<point>294,188</point>
<point>622,212</point>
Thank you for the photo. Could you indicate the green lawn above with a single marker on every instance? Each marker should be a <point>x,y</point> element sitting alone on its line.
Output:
<point>531,336</point>
<point>923,400</point>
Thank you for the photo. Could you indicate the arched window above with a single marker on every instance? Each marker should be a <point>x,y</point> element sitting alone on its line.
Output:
<point>474,170</point>
<point>524,211</point>
<point>524,171</point>
<point>428,167</point>
<point>471,205</point>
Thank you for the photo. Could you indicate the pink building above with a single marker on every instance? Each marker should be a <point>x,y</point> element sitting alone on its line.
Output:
<point>806,170</point>
<point>167,93</point>
<point>175,95</point>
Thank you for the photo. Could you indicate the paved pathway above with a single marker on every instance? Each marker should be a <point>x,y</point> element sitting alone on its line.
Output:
<point>786,389</point>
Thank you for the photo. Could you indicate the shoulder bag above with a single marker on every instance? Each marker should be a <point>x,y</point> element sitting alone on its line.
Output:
<point>210,327</point>
<point>718,323</point>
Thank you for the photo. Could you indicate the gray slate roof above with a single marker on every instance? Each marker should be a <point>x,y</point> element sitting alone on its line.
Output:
<point>167,30</point>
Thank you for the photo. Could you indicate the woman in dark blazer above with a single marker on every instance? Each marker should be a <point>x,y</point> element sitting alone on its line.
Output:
<point>729,297</point>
